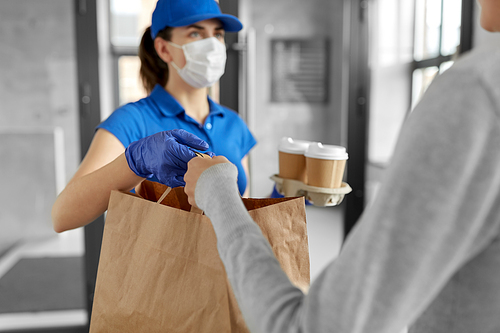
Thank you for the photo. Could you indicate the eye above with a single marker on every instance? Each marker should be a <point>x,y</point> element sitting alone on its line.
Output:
<point>194,34</point>
<point>219,35</point>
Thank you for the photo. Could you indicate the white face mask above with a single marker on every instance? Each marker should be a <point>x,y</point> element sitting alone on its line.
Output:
<point>205,62</point>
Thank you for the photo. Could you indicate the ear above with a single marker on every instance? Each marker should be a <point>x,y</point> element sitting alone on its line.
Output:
<point>162,49</point>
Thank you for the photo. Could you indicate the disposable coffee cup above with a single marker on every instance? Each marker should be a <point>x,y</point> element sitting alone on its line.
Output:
<point>325,165</point>
<point>292,162</point>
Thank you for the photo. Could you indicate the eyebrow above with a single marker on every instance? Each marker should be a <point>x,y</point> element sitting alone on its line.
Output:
<point>202,28</point>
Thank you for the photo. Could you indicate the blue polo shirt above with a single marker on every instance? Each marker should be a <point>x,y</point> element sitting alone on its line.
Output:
<point>224,130</point>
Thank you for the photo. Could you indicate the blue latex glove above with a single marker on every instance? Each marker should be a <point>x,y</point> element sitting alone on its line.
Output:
<point>275,194</point>
<point>164,155</point>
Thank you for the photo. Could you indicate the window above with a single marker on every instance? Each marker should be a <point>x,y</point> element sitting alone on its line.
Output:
<point>128,20</point>
<point>436,41</point>
<point>129,84</point>
<point>390,60</point>
<point>410,43</point>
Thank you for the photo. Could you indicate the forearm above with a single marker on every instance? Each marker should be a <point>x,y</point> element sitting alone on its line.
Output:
<point>86,198</point>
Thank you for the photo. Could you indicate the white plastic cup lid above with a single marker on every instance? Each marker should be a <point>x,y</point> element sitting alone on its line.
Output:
<point>326,152</point>
<point>291,146</point>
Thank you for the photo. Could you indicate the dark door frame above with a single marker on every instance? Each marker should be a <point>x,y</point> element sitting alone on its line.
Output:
<point>467,25</point>
<point>229,82</point>
<point>90,116</point>
<point>358,112</point>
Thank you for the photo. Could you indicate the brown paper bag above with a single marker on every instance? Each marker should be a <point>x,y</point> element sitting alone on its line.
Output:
<point>160,270</point>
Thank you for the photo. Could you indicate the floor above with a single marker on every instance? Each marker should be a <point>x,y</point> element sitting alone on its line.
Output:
<point>61,245</point>
<point>325,233</point>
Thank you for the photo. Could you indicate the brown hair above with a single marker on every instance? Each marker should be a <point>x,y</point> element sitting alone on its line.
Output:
<point>153,70</point>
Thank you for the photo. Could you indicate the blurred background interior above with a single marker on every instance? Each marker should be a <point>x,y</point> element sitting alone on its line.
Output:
<point>345,72</point>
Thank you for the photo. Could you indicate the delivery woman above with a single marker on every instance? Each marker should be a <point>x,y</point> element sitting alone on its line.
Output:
<point>182,53</point>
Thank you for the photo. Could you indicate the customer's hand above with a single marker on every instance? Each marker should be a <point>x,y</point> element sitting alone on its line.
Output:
<point>195,168</point>
<point>164,155</point>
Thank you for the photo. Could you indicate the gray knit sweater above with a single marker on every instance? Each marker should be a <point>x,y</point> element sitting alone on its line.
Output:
<point>425,254</point>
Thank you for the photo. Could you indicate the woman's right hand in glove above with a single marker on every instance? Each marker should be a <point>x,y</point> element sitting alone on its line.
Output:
<point>164,155</point>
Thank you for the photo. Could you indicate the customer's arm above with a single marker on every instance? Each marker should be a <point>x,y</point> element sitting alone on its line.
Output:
<point>427,220</point>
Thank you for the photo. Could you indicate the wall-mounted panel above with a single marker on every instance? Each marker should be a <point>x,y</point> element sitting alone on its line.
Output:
<point>300,70</point>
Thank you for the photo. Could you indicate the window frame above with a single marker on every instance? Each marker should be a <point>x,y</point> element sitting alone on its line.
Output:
<point>466,33</point>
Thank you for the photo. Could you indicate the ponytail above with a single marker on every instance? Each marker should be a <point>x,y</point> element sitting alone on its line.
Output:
<point>153,70</point>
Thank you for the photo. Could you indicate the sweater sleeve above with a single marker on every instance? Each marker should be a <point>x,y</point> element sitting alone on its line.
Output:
<point>434,212</point>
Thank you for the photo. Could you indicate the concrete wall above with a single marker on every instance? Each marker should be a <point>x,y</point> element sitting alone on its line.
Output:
<point>38,113</point>
<point>314,19</point>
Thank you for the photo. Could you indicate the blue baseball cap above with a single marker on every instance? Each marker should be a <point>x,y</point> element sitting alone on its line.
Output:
<point>180,13</point>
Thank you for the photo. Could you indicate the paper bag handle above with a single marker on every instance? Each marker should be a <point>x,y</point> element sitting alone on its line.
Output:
<point>196,210</point>
<point>167,191</point>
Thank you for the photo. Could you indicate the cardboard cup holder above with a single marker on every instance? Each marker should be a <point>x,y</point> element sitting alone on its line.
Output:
<point>318,196</point>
